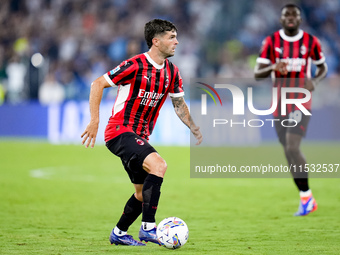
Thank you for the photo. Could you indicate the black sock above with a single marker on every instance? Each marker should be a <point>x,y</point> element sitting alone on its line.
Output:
<point>132,210</point>
<point>302,183</point>
<point>151,193</point>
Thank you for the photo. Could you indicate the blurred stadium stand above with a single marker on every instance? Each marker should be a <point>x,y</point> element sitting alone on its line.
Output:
<point>51,50</point>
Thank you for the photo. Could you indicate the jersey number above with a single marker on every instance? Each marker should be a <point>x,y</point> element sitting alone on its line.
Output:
<point>296,115</point>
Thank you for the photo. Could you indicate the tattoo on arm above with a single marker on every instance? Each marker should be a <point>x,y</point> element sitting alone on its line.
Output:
<point>183,113</point>
<point>182,110</point>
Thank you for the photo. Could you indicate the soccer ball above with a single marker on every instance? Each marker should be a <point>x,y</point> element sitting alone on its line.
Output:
<point>172,233</point>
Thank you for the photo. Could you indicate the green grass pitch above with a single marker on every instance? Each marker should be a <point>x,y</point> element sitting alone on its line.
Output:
<point>59,199</point>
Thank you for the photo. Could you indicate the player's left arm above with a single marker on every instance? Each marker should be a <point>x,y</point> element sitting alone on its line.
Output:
<point>318,59</point>
<point>182,111</point>
<point>320,73</point>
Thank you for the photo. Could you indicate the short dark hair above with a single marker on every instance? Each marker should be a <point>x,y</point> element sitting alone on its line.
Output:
<point>291,5</point>
<point>155,27</point>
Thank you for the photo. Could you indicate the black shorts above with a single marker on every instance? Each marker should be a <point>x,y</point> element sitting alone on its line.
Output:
<point>132,150</point>
<point>286,126</point>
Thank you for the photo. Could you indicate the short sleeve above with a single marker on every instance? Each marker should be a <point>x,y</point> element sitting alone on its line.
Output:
<point>177,89</point>
<point>316,52</point>
<point>122,74</point>
<point>265,55</point>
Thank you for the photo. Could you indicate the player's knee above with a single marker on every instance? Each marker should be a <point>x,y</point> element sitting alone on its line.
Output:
<point>155,164</point>
<point>139,196</point>
<point>292,150</point>
<point>160,168</point>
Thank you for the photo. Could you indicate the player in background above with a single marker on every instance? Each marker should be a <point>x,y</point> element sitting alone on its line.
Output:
<point>143,81</point>
<point>287,54</point>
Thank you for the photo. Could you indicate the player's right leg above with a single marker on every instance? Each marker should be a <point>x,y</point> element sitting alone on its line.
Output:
<point>132,209</point>
<point>132,150</point>
<point>156,167</point>
<point>123,239</point>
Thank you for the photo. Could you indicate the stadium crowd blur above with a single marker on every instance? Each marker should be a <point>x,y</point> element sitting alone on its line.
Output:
<point>51,50</point>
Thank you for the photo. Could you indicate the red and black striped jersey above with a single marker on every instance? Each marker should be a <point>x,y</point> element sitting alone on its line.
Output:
<point>143,86</point>
<point>298,52</point>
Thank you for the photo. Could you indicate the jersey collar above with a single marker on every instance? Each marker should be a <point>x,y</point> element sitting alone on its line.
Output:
<point>291,38</point>
<point>157,66</point>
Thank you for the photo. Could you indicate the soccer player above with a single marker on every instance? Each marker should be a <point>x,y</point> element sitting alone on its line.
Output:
<point>287,54</point>
<point>143,81</point>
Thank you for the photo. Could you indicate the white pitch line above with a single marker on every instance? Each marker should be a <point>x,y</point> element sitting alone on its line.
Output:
<point>66,173</point>
<point>42,173</point>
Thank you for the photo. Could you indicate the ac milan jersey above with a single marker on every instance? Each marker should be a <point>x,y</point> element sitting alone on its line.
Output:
<point>143,86</point>
<point>298,52</point>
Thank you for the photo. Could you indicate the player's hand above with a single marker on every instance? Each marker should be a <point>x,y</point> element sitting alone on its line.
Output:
<point>90,134</point>
<point>197,133</point>
<point>309,85</point>
<point>281,67</point>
